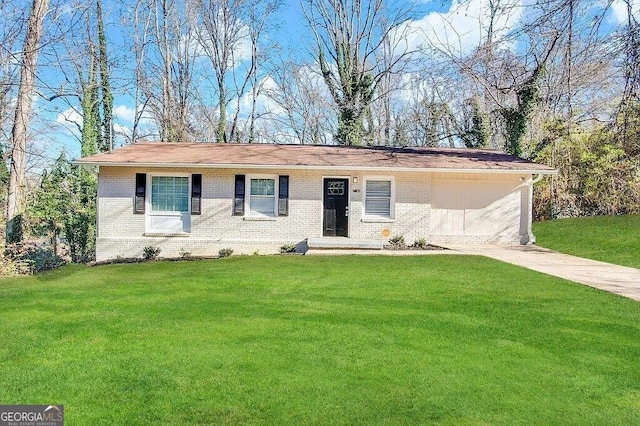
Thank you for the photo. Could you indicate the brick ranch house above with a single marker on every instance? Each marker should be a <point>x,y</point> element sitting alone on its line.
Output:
<point>199,198</point>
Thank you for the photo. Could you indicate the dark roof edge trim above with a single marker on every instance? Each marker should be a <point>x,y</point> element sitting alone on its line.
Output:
<point>305,167</point>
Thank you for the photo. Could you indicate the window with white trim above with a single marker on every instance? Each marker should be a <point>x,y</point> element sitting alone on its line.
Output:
<point>378,198</point>
<point>262,196</point>
<point>168,203</point>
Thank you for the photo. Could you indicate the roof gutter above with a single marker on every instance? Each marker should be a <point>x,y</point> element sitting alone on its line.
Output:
<point>540,176</point>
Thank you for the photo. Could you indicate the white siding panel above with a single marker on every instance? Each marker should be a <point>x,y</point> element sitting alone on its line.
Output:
<point>470,207</point>
<point>491,208</point>
<point>447,214</point>
<point>169,223</point>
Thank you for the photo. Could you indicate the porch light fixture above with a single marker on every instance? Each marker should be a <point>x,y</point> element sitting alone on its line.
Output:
<point>355,179</point>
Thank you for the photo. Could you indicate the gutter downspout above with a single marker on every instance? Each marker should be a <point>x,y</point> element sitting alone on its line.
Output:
<point>531,239</point>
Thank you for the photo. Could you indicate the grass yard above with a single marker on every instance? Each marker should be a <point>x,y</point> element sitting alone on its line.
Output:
<point>319,340</point>
<point>614,239</point>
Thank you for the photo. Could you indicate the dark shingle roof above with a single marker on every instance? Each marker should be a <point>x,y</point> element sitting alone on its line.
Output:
<point>157,154</point>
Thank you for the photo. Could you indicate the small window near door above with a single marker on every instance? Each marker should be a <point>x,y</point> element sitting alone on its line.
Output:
<point>238,200</point>
<point>283,195</point>
<point>378,198</point>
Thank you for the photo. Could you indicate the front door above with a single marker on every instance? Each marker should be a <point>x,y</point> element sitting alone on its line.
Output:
<point>336,208</point>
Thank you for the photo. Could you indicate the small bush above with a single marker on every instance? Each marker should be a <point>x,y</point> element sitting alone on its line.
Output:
<point>29,258</point>
<point>420,243</point>
<point>185,255</point>
<point>150,253</point>
<point>17,229</point>
<point>11,267</point>
<point>396,243</point>
<point>288,248</point>
<point>397,240</point>
<point>225,252</point>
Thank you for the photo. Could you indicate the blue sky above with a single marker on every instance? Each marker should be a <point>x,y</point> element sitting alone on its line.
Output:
<point>456,26</point>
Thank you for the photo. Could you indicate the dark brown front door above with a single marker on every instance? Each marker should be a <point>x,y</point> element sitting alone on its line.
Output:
<point>336,208</point>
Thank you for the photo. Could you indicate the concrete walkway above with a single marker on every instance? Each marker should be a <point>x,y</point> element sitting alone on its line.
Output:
<point>616,279</point>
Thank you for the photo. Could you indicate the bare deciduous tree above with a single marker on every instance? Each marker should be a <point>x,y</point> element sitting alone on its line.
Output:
<point>21,119</point>
<point>230,33</point>
<point>348,35</point>
<point>11,26</point>
<point>165,52</point>
<point>303,107</point>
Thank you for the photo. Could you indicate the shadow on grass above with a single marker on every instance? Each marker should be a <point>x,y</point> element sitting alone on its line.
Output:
<point>64,272</point>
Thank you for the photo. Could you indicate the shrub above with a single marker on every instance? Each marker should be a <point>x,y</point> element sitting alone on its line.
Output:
<point>185,255</point>
<point>396,243</point>
<point>150,253</point>
<point>28,258</point>
<point>396,240</point>
<point>420,243</point>
<point>12,267</point>
<point>288,248</point>
<point>16,233</point>
<point>44,259</point>
<point>225,252</point>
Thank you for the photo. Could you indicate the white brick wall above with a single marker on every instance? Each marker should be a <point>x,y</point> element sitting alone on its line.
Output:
<point>412,208</point>
<point>122,233</point>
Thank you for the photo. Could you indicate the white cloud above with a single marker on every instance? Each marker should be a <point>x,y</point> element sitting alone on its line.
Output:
<point>241,46</point>
<point>124,113</point>
<point>70,118</point>
<point>122,130</point>
<point>124,117</point>
<point>263,102</point>
<point>463,27</point>
<point>619,10</point>
<point>242,51</point>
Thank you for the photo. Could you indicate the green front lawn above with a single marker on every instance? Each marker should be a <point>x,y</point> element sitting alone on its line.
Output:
<point>614,239</point>
<point>315,340</point>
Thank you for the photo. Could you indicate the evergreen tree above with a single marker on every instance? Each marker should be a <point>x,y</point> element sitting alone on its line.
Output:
<point>51,201</point>
<point>66,204</point>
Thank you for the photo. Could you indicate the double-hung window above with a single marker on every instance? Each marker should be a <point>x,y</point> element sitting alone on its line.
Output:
<point>169,204</point>
<point>262,196</point>
<point>378,198</point>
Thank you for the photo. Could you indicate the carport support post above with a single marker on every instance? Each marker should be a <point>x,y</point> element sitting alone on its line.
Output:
<point>531,239</point>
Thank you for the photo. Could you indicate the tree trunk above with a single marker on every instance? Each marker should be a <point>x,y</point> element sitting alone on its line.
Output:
<point>106,133</point>
<point>221,133</point>
<point>21,120</point>
<point>167,131</point>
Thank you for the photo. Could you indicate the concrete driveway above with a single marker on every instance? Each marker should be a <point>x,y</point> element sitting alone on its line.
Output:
<point>616,279</point>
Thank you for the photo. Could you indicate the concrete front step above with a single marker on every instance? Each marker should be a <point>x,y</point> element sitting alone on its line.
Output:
<point>342,243</point>
<point>342,252</point>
